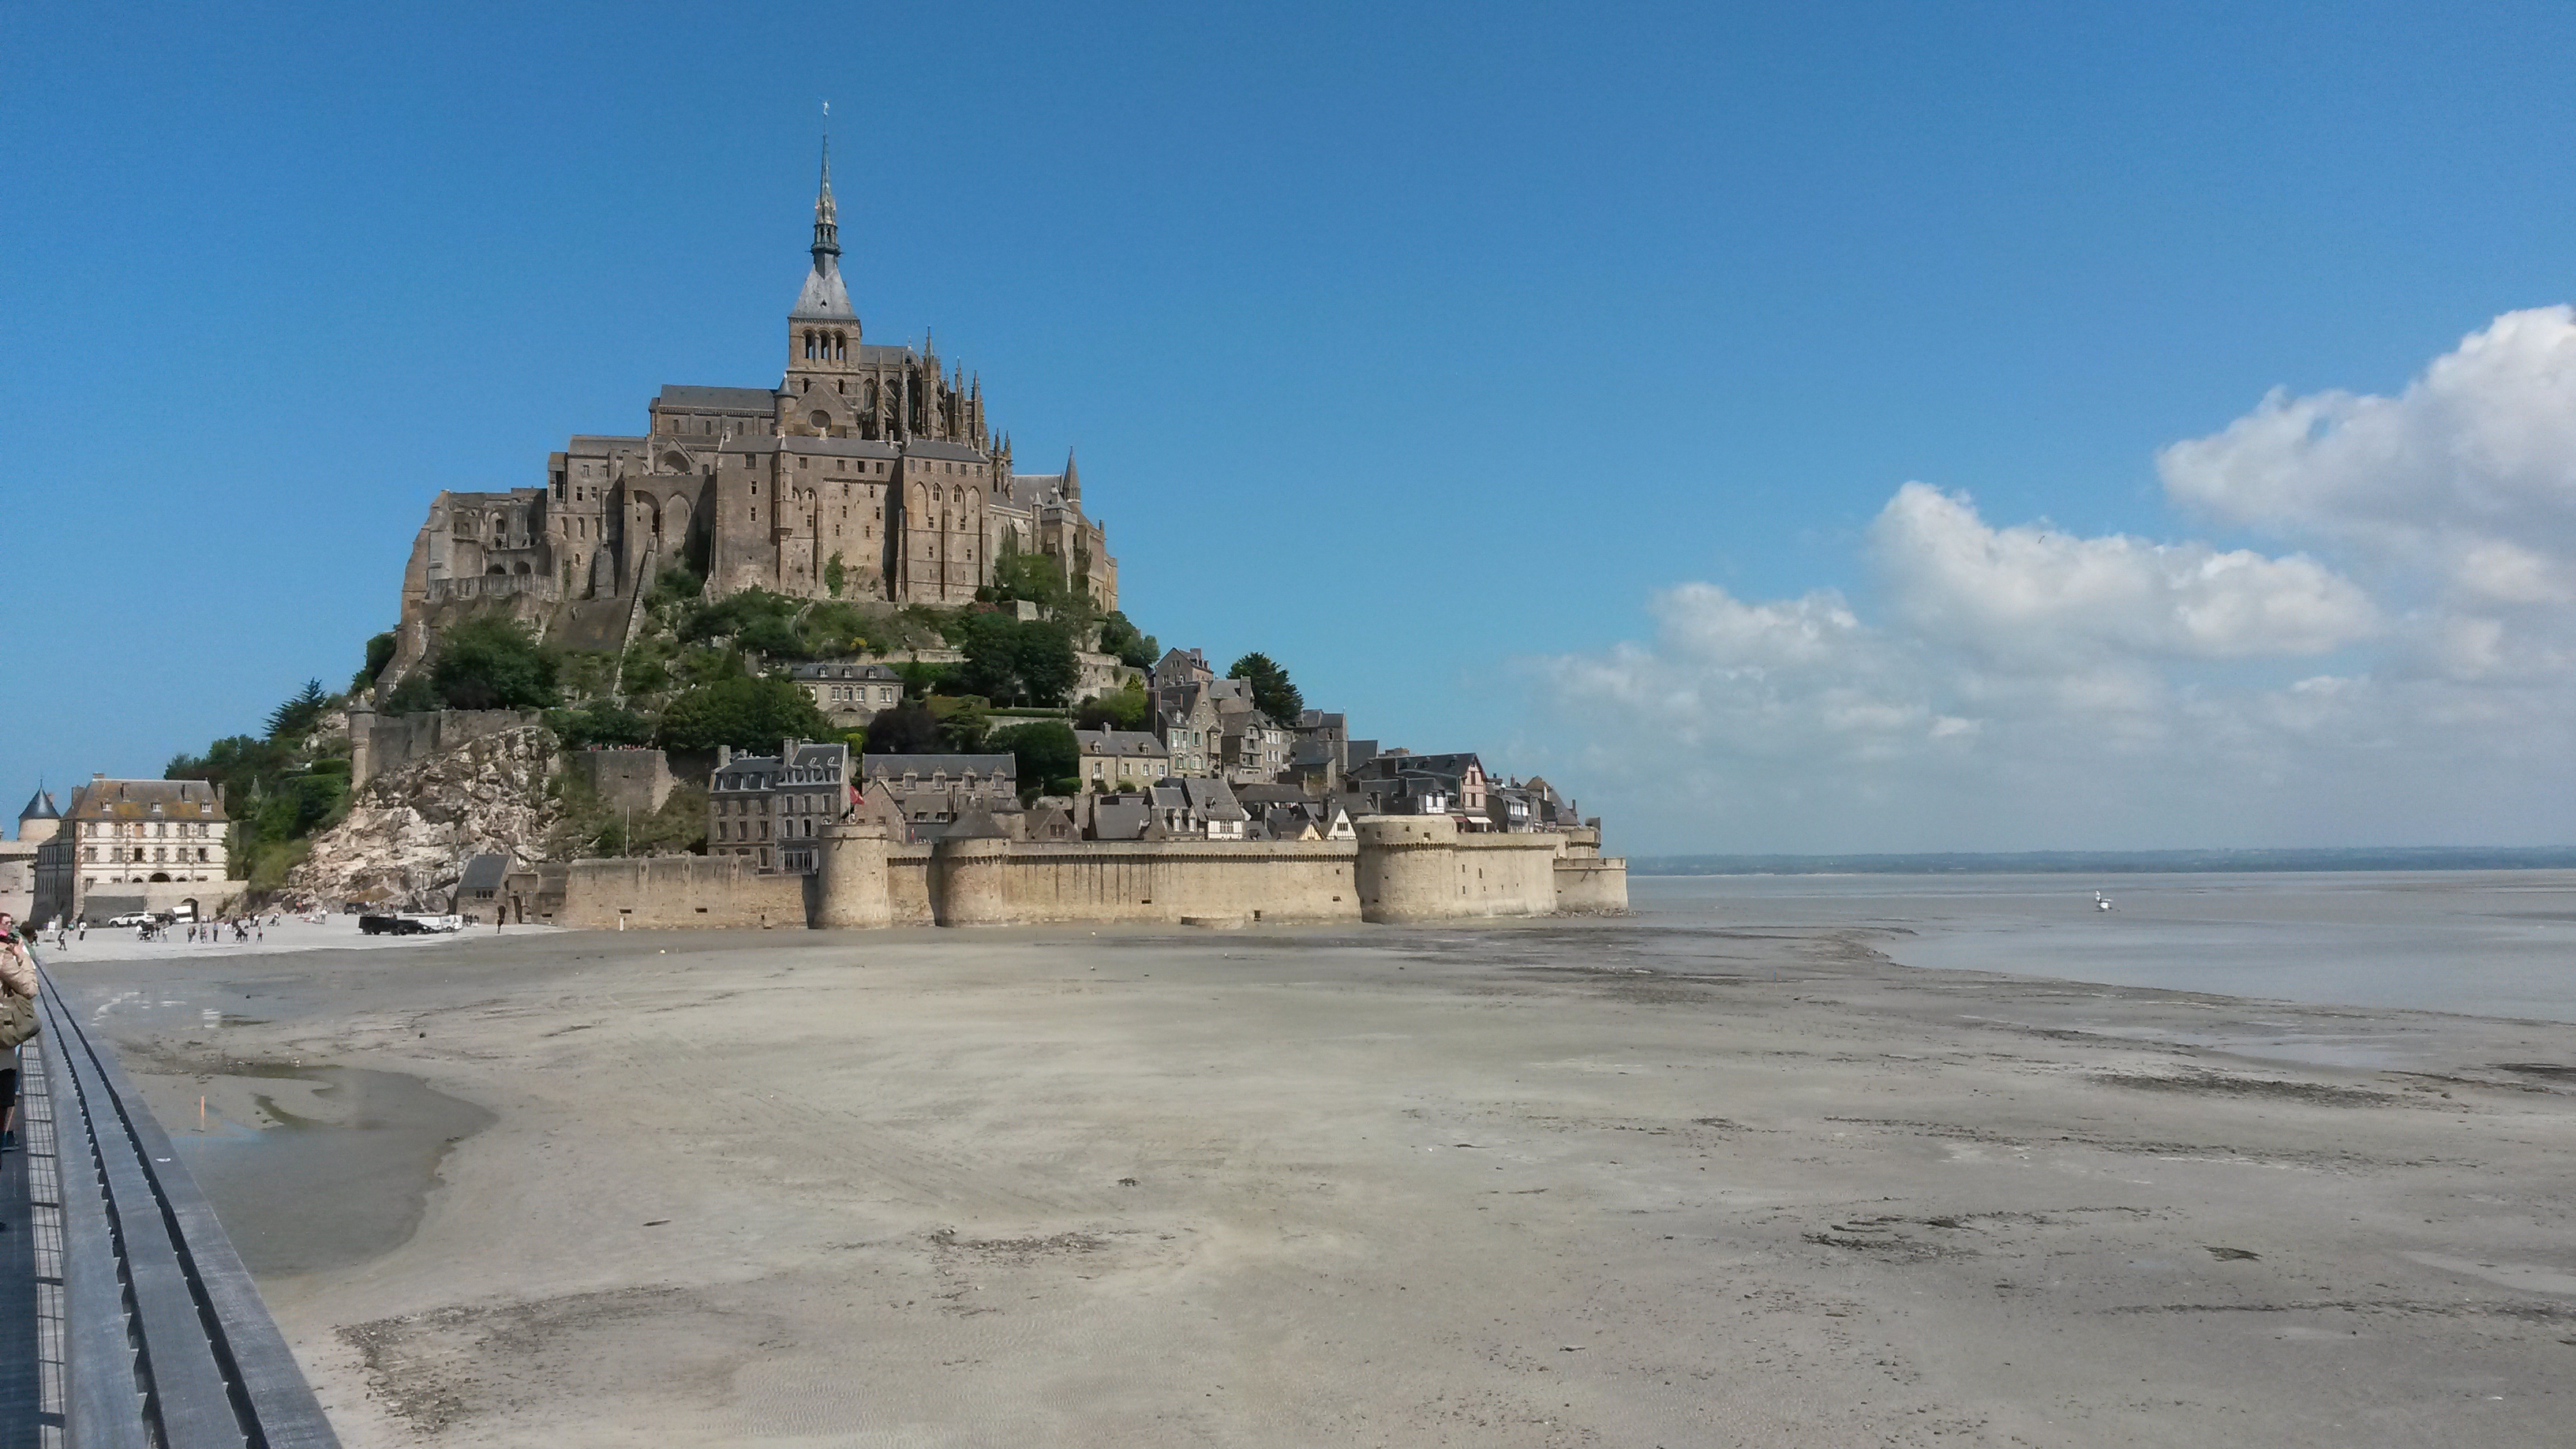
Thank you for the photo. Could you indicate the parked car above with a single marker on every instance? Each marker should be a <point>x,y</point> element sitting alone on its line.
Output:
<point>408,923</point>
<point>131,918</point>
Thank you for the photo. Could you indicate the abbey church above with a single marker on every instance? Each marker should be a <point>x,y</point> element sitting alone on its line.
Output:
<point>869,473</point>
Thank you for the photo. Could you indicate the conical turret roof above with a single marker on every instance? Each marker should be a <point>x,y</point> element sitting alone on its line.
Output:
<point>40,806</point>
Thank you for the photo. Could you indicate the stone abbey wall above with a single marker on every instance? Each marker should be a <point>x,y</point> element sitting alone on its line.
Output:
<point>1401,869</point>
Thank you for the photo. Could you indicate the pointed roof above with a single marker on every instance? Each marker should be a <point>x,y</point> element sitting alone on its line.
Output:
<point>824,296</point>
<point>1072,476</point>
<point>40,806</point>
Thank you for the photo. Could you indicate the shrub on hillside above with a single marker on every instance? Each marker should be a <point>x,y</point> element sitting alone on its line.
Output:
<point>747,714</point>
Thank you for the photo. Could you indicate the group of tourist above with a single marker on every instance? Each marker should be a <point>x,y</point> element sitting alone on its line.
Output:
<point>244,928</point>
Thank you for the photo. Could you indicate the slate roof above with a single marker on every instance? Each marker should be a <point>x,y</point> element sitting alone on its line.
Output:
<point>484,873</point>
<point>950,452</point>
<point>1125,744</point>
<point>882,767</point>
<point>1034,490</point>
<point>843,671</point>
<point>759,400</point>
<point>40,806</point>
<point>1120,820</point>
<point>1211,800</point>
<point>974,823</point>
<point>146,800</point>
<point>823,296</point>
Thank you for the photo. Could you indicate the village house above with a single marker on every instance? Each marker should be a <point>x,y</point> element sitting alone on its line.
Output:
<point>1113,760</point>
<point>849,695</point>
<point>1252,748</point>
<point>927,794</point>
<point>1322,754</point>
<point>1189,728</point>
<point>1410,784</point>
<point>770,808</point>
<point>1199,809</point>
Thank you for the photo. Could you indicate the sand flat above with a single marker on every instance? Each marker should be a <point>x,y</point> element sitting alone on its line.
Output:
<point>1608,1183</point>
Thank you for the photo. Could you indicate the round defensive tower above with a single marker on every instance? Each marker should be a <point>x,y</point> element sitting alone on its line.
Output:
<point>853,868</point>
<point>967,873</point>
<point>1408,867</point>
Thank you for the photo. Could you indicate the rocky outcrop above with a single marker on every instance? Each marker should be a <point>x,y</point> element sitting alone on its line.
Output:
<point>410,831</point>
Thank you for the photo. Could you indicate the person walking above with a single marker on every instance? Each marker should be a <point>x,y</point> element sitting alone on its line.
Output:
<point>17,1021</point>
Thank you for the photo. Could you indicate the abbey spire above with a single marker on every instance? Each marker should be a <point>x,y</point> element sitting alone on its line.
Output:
<point>824,297</point>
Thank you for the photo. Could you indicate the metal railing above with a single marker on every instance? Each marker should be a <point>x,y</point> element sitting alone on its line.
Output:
<point>165,1343</point>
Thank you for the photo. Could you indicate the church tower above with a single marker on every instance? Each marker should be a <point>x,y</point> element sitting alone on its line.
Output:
<point>822,334</point>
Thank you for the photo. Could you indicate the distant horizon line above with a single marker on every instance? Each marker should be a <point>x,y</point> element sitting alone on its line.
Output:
<point>2067,862</point>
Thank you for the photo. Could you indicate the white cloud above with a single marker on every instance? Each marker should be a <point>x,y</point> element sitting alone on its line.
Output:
<point>2467,478</point>
<point>2409,677</point>
<point>2031,595</point>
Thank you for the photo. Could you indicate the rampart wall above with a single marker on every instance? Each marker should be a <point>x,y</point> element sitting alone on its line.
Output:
<point>1400,869</point>
<point>668,891</point>
<point>1167,881</point>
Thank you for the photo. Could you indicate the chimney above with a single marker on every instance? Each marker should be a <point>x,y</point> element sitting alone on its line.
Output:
<point>724,756</point>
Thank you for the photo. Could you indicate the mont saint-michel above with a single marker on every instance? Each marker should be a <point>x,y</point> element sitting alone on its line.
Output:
<point>817,654</point>
<point>869,473</point>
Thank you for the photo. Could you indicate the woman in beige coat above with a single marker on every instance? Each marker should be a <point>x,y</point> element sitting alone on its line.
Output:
<point>18,978</point>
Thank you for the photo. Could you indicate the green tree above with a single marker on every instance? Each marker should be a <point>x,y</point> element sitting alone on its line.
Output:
<point>920,681</point>
<point>380,652</point>
<point>296,717</point>
<point>1119,637</point>
<point>907,729</point>
<point>962,721</point>
<point>1042,659</point>
<point>747,714</point>
<point>673,586</point>
<point>414,695</point>
<point>492,661</point>
<point>834,575</point>
<point>599,723</point>
<point>243,765</point>
<point>1272,692</point>
<point>991,644</point>
<point>1127,707</point>
<point>1043,752</point>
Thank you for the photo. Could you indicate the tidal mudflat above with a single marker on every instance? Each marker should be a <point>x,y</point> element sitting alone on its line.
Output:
<point>1634,1182</point>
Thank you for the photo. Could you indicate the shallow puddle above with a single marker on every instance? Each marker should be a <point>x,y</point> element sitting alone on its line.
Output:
<point>312,1167</point>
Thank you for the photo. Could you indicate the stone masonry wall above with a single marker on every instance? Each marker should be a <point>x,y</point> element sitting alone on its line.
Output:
<point>1402,869</point>
<point>678,891</point>
<point>1162,882</point>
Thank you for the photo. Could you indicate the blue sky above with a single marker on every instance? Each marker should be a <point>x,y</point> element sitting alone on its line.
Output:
<point>1430,349</point>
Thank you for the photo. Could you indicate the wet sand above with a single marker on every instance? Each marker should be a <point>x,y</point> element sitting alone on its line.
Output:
<point>1615,1183</point>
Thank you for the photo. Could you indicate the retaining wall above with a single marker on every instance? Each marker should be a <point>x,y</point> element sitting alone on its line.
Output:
<point>678,890</point>
<point>379,743</point>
